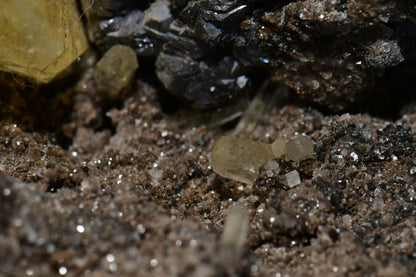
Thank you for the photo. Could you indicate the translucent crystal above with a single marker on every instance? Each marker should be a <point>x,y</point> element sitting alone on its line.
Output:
<point>299,148</point>
<point>279,147</point>
<point>234,236</point>
<point>115,69</point>
<point>158,15</point>
<point>239,159</point>
<point>39,39</point>
<point>273,167</point>
<point>292,178</point>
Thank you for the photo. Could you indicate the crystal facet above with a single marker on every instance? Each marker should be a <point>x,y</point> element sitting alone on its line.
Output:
<point>39,39</point>
<point>115,69</point>
<point>239,159</point>
<point>299,148</point>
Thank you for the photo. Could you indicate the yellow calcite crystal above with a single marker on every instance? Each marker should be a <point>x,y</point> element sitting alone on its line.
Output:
<point>239,158</point>
<point>279,147</point>
<point>299,148</point>
<point>39,39</point>
<point>115,69</point>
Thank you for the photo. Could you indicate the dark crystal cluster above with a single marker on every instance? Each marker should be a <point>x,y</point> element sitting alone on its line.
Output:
<point>331,52</point>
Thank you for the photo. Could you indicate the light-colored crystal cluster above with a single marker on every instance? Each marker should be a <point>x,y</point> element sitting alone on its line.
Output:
<point>39,39</point>
<point>240,159</point>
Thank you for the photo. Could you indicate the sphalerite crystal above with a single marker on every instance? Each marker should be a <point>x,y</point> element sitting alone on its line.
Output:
<point>239,159</point>
<point>211,52</point>
<point>39,39</point>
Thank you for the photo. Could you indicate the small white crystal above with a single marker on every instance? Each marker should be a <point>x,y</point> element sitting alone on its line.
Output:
<point>293,178</point>
<point>234,237</point>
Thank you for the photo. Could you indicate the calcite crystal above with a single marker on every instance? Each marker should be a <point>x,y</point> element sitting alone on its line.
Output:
<point>292,178</point>
<point>115,69</point>
<point>240,159</point>
<point>234,236</point>
<point>299,148</point>
<point>279,147</point>
<point>39,39</point>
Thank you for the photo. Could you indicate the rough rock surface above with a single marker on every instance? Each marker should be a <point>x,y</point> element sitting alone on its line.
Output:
<point>142,199</point>
<point>93,187</point>
<point>331,52</point>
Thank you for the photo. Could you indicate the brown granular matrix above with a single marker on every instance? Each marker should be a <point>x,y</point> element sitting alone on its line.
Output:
<point>141,199</point>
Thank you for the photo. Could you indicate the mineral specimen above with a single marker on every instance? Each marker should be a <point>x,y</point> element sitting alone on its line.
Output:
<point>279,147</point>
<point>329,52</point>
<point>384,53</point>
<point>234,236</point>
<point>239,159</point>
<point>115,69</point>
<point>135,196</point>
<point>299,148</point>
<point>41,39</point>
<point>202,84</point>
<point>292,178</point>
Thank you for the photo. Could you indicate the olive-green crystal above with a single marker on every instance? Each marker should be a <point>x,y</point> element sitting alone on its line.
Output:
<point>115,69</point>
<point>279,147</point>
<point>239,159</point>
<point>299,148</point>
<point>39,39</point>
